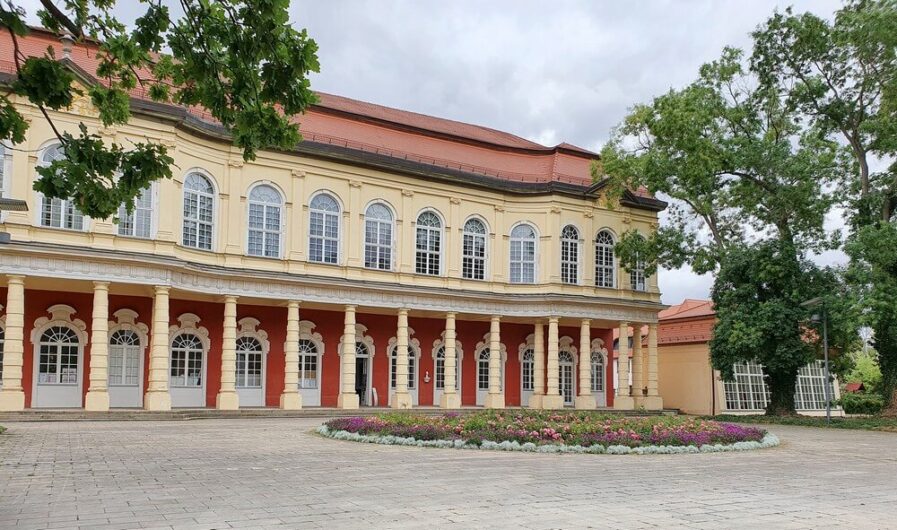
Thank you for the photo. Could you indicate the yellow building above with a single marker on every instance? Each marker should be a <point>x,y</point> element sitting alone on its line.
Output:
<point>389,259</point>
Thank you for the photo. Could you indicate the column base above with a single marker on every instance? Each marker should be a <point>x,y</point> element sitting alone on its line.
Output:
<point>96,401</point>
<point>495,401</point>
<point>653,403</point>
<point>290,401</point>
<point>227,401</point>
<point>400,400</point>
<point>12,400</point>
<point>624,403</point>
<point>450,401</point>
<point>347,401</point>
<point>552,402</point>
<point>535,401</point>
<point>157,401</point>
<point>586,402</point>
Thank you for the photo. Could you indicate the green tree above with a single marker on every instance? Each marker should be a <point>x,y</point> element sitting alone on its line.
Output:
<point>750,187</point>
<point>240,60</point>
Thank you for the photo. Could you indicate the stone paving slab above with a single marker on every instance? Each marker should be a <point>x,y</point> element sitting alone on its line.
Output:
<point>275,473</point>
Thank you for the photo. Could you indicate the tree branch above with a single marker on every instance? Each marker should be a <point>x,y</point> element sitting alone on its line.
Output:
<point>61,17</point>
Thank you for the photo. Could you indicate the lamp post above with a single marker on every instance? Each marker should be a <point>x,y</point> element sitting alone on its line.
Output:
<point>819,301</point>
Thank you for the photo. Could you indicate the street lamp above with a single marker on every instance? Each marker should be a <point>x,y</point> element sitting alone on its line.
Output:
<point>819,301</point>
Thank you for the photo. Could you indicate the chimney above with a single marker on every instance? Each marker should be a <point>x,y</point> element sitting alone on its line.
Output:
<point>67,42</point>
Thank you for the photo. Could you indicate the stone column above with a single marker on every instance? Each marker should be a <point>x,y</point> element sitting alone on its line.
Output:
<point>553,399</point>
<point>12,397</point>
<point>97,398</point>
<point>623,401</point>
<point>585,399</point>
<point>495,399</point>
<point>653,401</point>
<point>348,399</point>
<point>451,397</point>
<point>157,395</point>
<point>535,401</point>
<point>638,366</point>
<point>401,399</point>
<point>227,398</point>
<point>291,399</point>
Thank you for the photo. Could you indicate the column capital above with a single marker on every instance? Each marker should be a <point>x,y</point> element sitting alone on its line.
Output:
<point>349,308</point>
<point>293,303</point>
<point>17,279</point>
<point>553,320</point>
<point>403,311</point>
<point>101,285</point>
<point>161,289</point>
<point>451,314</point>
<point>231,298</point>
<point>495,318</point>
<point>585,322</point>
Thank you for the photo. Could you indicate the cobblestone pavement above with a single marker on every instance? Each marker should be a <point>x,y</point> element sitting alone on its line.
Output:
<point>264,473</point>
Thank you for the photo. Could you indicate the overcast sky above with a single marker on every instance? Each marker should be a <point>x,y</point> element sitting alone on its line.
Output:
<point>548,71</point>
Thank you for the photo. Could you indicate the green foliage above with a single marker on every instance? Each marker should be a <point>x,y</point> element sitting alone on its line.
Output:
<point>864,370</point>
<point>239,59</point>
<point>861,403</point>
<point>876,423</point>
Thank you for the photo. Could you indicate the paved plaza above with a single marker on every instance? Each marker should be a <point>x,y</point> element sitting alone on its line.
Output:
<point>263,473</point>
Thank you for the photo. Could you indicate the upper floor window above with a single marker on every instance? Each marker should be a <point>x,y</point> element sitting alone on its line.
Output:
<point>570,254</point>
<point>4,170</point>
<point>323,229</point>
<point>604,260</point>
<point>199,211</point>
<point>58,213</point>
<point>378,237</point>
<point>265,207</point>
<point>637,275</point>
<point>138,223</point>
<point>473,250</point>
<point>428,244</point>
<point>523,254</point>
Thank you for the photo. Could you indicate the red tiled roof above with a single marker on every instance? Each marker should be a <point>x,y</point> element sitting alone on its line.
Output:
<point>854,387</point>
<point>686,323</point>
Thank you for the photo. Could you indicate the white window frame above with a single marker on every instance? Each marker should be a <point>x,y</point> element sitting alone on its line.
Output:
<point>601,268</point>
<point>265,231</point>
<point>248,328</point>
<point>64,204</point>
<point>429,232</point>
<point>44,392</point>
<point>378,246</point>
<point>311,395</point>
<point>566,347</point>
<point>213,224</point>
<point>413,357</point>
<point>598,358</point>
<point>478,352</point>
<point>475,259</point>
<point>528,363</point>
<point>153,190</point>
<point>534,263</point>
<point>323,236</point>
<point>130,349</point>
<point>575,247</point>
<point>188,325</point>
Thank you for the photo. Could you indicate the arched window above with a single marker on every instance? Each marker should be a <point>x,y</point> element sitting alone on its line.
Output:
<point>570,254</point>
<point>483,370</point>
<point>249,363</point>
<point>58,213</point>
<point>523,254</point>
<point>265,206</point>
<point>526,372</point>
<point>637,274</point>
<point>378,237</point>
<point>597,375</point>
<point>199,212</point>
<point>138,223</point>
<point>440,370</point>
<point>186,361</point>
<point>473,250</point>
<point>58,359</point>
<point>428,244</point>
<point>323,229</point>
<point>605,268</point>
<point>411,367</point>
<point>124,358</point>
<point>308,364</point>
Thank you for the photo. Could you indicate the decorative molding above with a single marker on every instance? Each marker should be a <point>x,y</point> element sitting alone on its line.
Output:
<point>60,315</point>
<point>483,344</point>
<point>235,162</point>
<point>413,344</point>
<point>126,319</point>
<point>555,209</point>
<point>440,342</point>
<point>354,183</point>
<point>499,208</point>
<point>598,349</point>
<point>528,344</point>
<point>248,327</point>
<point>454,200</point>
<point>407,193</point>
<point>361,336</point>
<point>565,344</point>
<point>188,325</point>
<point>297,173</point>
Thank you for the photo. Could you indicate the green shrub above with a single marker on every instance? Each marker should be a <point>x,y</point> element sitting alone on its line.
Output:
<point>861,403</point>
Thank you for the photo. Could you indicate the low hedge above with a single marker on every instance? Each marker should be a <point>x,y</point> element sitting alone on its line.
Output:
<point>856,403</point>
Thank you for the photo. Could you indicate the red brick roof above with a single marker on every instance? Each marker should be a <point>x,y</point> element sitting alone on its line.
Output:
<point>687,323</point>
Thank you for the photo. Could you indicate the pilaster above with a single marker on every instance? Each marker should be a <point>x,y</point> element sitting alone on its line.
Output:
<point>12,397</point>
<point>451,398</point>
<point>97,398</point>
<point>553,399</point>
<point>495,399</point>
<point>227,398</point>
<point>623,400</point>
<point>638,366</point>
<point>348,399</point>
<point>535,401</point>
<point>291,399</point>
<point>585,399</point>
<point>157,394</point>
<point>653,401</point>
<point>401,399</point>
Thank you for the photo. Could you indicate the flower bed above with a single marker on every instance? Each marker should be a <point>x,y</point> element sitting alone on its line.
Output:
<point>551,431</point>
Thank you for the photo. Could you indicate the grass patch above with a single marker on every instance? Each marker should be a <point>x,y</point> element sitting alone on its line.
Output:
<point>869,423</point>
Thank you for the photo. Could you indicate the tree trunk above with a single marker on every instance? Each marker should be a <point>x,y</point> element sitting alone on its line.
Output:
<point>781,392</point>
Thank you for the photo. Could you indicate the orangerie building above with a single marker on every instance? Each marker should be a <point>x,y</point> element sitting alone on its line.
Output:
<point>390,259</point>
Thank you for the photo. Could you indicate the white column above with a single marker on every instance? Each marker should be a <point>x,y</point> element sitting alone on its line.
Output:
<point>585,399</point>
<point>348,399</point>
<point>622,400</point>
<point>291,399</point>
<point>12,396</point>
<point>401,399</point>
<point>451,397</point>
<point>638,366</point>
<point>495,399</point>
<point>97,398</point>
<point>227,398</point>
<point>653,401</point>
<point>553,399</point>
<point>157,395</point>
<point>535,401</point>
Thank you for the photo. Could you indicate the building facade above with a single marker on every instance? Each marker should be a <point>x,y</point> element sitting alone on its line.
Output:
<point>391,259</point>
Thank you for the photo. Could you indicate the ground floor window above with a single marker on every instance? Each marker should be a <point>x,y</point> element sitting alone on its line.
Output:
<point>526,370</point>
<point>748,390</point>
<point>440,369</point>
<point>308,364</point>
<point>124,358</point>
<point>249,363</point>
<point>186,361</point>
<point>810,391</point>
<point>597,375</point>
<point>483,370</point>
<point>392,368</point>
<point>58,356</point>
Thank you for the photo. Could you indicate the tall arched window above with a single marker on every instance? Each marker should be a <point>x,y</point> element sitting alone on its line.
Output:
<point>570,254</point>
<point>59,352</point>
<point>124,358</point>
<point>440,370</point>
<point>473,250</point>
<point>483,370</point>
<point>637,275</point>
<point>249,363</point>
<point>428,244</point>
<point>138,223</point>
<point>597,374</point>
<point>523,254</point>
<point>265,207</point>
<point>186,361</point>
<point>378,237</point>
<point>323,229</point>
<point>5,167</point>
<point>199,212</point>
<point>308,364</point>
<point>605,268</point>
<point>526,371</point>
<point>411,367</point>
<point>58,213</point>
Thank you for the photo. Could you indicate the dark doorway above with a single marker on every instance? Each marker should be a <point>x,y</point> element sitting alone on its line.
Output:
<point>361,379</point>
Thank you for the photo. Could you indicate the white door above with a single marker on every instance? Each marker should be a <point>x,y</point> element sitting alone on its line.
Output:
<point>57,375</point>
<point>412,376</point>
<point>125,369</point>
<point>527,376</point>
<point>439,382</point>
<point>187,381</point>
<point>482,376</point>
<point>599,379</point>
<point>566,380</point>
<point>250,372</point>
<point>309,373</point>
